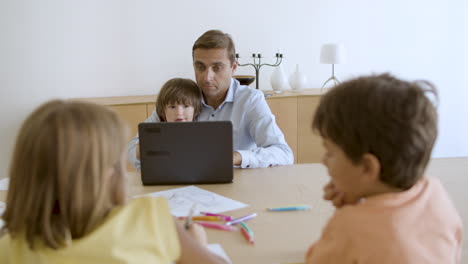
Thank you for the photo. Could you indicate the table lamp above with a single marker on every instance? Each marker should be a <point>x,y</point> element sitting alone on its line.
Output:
<point>332,54</point>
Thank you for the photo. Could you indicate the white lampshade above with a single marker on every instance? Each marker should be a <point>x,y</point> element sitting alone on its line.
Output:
<point>332,54</point>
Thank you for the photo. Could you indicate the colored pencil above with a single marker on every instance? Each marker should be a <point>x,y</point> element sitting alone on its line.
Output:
<point>206,218</point>
<point>244,226</point>
<point>247,232</point>
<point>241,219</point>
<point>226,217</point>
<point>188,221</point>
<point>215,226</point>
<point>290,208</point>
<point>247,236</point>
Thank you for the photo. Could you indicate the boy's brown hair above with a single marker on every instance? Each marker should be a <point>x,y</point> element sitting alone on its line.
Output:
<point>66,174</point>
<point>179,91</point>
<point>384,116</point>
<point>216,39</point>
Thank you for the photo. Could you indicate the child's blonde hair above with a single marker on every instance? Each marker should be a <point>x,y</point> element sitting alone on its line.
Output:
<point>66,172</point>
<point>179,91</point>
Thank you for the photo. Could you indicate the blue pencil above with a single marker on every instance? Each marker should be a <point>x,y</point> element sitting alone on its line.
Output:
<point>290,208</point>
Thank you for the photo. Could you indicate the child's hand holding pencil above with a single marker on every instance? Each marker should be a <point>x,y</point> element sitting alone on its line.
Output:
<point>188,220</point>
<point>198,233</point>
<point>195,230</point>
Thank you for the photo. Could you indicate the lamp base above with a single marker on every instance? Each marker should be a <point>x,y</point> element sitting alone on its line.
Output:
<point>332,78</point>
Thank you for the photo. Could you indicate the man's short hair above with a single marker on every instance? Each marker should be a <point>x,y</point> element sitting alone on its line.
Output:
<point>216,39</point>
<point>384,116</point>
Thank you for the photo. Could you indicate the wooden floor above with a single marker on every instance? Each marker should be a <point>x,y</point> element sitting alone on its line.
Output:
<point>453,172</point>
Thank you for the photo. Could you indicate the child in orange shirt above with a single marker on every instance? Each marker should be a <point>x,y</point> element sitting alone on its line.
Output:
<point>378,132</point>
<point>67,197</point>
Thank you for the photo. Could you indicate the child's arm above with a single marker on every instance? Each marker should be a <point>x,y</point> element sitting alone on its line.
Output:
<point>193,246</point>
<point>133,152</point>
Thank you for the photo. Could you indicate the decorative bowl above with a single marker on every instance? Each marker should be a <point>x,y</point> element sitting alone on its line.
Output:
<point>244,79</point>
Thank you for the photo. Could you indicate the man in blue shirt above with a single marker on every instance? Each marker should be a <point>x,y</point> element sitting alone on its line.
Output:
<point>258,141</point>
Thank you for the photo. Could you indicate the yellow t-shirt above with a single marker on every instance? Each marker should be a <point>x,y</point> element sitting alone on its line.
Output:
<point>142,231</point>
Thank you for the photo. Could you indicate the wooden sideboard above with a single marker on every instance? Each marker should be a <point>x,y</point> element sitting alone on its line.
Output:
<point>293,111</point>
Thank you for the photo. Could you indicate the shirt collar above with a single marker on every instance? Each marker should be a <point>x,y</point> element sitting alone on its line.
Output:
<point>232,88</point>
<point>230,94</point>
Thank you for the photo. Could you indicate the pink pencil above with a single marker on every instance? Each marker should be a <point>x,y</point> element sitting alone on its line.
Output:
<point>225,217</point>
<point>215,226</point>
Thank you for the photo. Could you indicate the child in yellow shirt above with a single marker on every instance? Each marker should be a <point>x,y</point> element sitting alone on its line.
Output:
<point>378,132</point>
<point>67,197</point>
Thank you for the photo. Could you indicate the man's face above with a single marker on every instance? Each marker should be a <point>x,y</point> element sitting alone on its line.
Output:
<point>213,71</point>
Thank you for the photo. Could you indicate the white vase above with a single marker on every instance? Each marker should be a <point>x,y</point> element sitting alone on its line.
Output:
<point>297,80</point>
<point>278,80</point>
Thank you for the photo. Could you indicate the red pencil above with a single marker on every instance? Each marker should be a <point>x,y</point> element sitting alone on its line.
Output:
<point>247,236</point>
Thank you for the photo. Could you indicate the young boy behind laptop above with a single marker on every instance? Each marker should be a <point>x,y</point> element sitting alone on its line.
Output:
<point>179,100</point>
<point>378,132</point>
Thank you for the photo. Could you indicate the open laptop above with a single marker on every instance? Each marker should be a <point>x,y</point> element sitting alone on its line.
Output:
<point>186,152</point>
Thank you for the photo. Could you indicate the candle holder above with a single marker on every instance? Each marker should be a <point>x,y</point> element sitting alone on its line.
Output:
<point>257,64</point>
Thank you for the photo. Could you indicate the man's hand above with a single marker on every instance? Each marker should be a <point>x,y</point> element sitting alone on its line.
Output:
<point>236,158</point>
<point>333,195</point>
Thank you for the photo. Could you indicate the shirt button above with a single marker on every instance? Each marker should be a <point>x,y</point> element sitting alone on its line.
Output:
<point>212,115</point>
<point>248,166</point>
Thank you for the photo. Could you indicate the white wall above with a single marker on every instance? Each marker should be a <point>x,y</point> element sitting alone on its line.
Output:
<point>90,48</point>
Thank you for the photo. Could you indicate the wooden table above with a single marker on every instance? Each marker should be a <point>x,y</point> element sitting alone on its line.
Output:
<point>280,237</point>
<point>283,237</point>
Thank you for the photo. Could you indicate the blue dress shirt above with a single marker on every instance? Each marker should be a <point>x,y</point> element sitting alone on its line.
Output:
<point>256,135</point>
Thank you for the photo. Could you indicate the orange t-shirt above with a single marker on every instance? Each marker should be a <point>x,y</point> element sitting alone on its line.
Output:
<point>419,225</point>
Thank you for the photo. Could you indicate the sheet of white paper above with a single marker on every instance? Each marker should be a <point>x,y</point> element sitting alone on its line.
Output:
<point>182,199</point>
<point>218,250</point>
<point>4,184</point>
